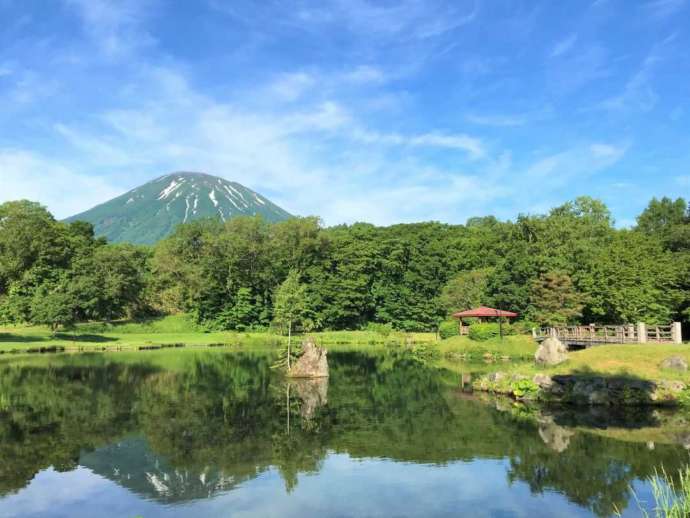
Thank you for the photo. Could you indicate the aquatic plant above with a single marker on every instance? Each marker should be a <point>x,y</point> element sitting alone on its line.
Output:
<point>671,496</point>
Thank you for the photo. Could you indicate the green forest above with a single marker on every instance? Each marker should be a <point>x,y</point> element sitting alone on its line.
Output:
<point>571,265</point>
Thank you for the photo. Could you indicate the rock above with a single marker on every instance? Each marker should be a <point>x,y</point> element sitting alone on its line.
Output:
<point>551,352</point>
<point>312,364</point>
<point>667,392</point>
<point>313,393</point>
<point>543,381</point>
<point>675,387</point>
<point>555,437</point>
<point>676,363</point>
<point>599,397</point>
<point>495,377</point>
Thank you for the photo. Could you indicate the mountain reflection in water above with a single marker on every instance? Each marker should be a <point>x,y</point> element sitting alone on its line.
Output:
<point>162,434</point>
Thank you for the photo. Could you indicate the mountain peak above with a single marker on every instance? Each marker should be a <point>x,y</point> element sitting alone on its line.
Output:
<point>151,211</point>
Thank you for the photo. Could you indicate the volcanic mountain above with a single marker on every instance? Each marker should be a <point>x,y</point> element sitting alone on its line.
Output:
<point>152,211</point>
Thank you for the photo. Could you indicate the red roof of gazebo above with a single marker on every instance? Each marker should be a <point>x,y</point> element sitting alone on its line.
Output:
<point>483,311</point>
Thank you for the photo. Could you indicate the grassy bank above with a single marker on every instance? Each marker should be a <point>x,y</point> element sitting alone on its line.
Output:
<point>627,360</point>
<point>515,346</point>
<point>636,360</point>
<point>177,329</point>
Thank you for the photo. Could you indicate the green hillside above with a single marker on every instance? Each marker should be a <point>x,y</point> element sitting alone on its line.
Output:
<point>150,212</point>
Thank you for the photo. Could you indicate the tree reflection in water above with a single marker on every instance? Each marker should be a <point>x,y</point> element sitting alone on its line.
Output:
<point>217,420</point>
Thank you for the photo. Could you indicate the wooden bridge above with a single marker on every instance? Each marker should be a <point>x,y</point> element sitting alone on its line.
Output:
<point>587,336</point>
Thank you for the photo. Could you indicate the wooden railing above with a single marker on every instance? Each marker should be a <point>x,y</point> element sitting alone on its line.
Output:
<point>661,334</point>
<point>612,334</point>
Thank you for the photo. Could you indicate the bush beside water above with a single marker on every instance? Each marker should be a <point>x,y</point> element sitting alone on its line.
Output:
<point>448,328</point>
<point>481,332</point>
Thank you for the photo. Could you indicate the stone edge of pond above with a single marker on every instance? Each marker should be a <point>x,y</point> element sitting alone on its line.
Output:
<point>585,389</point>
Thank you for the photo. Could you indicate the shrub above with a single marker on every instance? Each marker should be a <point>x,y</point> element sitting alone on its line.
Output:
<point>381,329</point>
<point>448,328</point>
<point>523,327</point>
<point>484,332</point>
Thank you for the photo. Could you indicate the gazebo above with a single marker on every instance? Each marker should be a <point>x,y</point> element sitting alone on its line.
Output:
<point>481,313</point>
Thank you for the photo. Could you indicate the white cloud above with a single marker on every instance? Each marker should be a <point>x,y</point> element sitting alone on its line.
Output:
<point>26,175</point>
<point>497,120</point>
<point>473,146</point>
<point>578,162</point>
<point>313,157</point>
<point>365,74</point>
<point>607,152</point>
<point>664,8</point>
<point>563,46</point>
<point>637,95</point>
<point>115,26</point>
<point>289,87</point>
<point>420,20</point>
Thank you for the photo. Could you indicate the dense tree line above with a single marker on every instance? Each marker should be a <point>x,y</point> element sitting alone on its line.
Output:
<point>570,265</point>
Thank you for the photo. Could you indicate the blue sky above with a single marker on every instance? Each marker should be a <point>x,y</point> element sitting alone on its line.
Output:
<point>348,109</point>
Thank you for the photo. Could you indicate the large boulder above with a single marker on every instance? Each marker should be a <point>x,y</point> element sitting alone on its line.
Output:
<point>312,364</point>
<point>551,352</point>
<point>676,363</point>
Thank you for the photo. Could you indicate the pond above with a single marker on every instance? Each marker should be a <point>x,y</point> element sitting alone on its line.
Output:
<point>222,434</point>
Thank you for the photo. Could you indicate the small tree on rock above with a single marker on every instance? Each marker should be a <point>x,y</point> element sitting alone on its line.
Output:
<point>289,305</point>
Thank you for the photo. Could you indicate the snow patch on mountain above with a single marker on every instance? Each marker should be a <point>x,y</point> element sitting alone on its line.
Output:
<point>169,189</point>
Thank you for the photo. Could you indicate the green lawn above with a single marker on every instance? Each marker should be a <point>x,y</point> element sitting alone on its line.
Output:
<point>515,346</point>
<point>640,360</point>
<point>630,360</point>
<point>173,330</point>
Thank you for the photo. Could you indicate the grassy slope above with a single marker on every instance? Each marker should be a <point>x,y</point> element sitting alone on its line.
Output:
<point>639,360</point>
<point>629,359</point>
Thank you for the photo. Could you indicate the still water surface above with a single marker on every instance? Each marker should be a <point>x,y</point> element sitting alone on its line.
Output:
<point>222,434</point>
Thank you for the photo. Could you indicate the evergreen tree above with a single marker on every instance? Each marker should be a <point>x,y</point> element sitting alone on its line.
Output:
<point>554,300</point>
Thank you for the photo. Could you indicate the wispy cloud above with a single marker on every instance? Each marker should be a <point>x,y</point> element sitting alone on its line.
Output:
<point>115,26</point>
<point>574,164</point>
<point>609,153</point>
<point>471,145</point>
<point>412,18</point>
<point>365,75</point>
<point>639,94</point>
<point>664,8</point>
<point>449,103</point>
<point>289,87</point>
<point>501,121</point>
<point>563,46</point>
<point>29,175</point>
